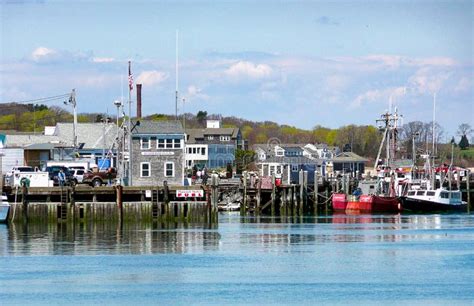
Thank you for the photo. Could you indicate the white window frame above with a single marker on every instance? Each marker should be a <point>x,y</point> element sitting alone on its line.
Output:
<point>224,138</point>
<point>149,169</point>
<point>158,143</point>
<point>176,143</point>
<point>142,143</point>
<point>210,137</point>
<point>169,163</point>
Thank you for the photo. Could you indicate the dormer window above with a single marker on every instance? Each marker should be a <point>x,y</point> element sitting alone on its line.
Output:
<point>210,137</point>
<point>224,138</point>
<point>279,152</point>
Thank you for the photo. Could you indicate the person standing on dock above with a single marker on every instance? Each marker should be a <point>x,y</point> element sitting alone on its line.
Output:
<point>61,177</point>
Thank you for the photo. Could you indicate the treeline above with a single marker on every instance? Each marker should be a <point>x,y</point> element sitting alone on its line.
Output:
<point>361,139</point>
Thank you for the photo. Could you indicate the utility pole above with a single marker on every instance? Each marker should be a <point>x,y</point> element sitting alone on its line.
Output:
<point>130,88</point>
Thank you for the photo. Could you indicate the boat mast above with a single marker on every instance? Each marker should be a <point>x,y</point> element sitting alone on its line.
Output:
<point>433,169</point>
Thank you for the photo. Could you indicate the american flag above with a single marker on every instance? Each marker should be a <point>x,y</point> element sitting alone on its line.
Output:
<point>130,76</point>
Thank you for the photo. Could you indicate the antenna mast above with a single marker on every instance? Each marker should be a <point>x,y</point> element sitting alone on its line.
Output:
<point>176,98</point>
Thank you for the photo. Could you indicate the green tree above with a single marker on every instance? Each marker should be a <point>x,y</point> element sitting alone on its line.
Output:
<point>201,117</point>
<point>464,143</point>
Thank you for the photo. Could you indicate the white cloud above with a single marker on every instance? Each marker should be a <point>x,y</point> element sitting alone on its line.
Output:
<point>382,96</point>
<point>41,53</point>
<point>103,59</point>
<point>244,69</point>
<point>428,81</point>
<point>193,92</point>
<point>152,77</point>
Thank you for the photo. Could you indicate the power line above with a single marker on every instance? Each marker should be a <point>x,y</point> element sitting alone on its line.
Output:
<point>46,99</point>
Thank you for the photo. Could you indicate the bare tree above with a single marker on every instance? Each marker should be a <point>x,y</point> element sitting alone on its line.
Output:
<point>464,129</point>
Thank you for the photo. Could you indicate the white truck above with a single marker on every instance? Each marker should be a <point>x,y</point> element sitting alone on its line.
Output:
<point>84,164</point>
<point>36,179</point>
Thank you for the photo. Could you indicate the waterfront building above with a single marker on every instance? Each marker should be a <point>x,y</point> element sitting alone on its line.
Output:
<point>56,143</point>
<point>158,153</point>
<point>218,144</point>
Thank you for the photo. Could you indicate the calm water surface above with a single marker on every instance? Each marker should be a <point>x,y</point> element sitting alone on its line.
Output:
<point>335,259</point>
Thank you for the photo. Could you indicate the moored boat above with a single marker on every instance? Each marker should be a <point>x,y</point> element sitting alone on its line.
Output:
<point>339,202</point>
<point>374,203</point>
<point>438,200</point>
<point>4,209</point>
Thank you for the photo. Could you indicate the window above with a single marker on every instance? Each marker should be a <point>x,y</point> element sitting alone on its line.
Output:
<point>280,153</point>
<point>272,170</point>
<point>210,137</point>
<point>145,170</point>
<point>224,138</point>
<point>194,151</point>
<point>294,168</point>
<point>411,193</point>
<point>145,143</point>
<point>169,169</point>
<point>444,195</point>
<point>203,151</point>
<point>161,143</point>
<point>177,143</point>
<point>430,193</point>
<point>420,193</point>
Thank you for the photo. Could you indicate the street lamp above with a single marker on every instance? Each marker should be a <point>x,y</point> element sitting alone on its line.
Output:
<point>72,101</point>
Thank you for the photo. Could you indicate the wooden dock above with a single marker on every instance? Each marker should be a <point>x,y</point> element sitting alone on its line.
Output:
<point>111,204</point>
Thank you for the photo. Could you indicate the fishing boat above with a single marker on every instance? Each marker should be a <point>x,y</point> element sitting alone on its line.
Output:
<point>4,209</point>
<point>377,195</point>
<point>434,200</point>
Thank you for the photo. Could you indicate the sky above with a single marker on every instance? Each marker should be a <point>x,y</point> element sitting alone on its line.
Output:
<point>302,63</point>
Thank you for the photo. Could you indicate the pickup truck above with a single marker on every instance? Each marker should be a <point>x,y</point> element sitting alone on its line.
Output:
<point>98,178</point>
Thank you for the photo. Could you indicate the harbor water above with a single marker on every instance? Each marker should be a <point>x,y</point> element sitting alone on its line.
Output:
<point>333,259</point>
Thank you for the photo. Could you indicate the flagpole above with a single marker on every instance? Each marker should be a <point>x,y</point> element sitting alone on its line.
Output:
<point>130,87</point>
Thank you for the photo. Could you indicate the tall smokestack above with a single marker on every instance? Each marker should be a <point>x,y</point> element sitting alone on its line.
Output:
<point>139,101</point>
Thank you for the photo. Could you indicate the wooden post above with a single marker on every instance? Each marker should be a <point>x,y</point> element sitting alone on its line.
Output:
<point>119,199</point>
<point>259,196</point>
<point>283,202</point>
<point>24,195</point>
<point>166,199</point>
<point>243,207</point>
<point>458,180</point>
<point>215,198</point>
<point>326,202</point>
<point>273,195</point>
<point>300,202</point>
<point>315,194</point>
<point>468,191</point>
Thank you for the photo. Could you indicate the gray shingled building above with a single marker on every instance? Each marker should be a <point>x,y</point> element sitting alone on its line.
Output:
<point>158,153</point>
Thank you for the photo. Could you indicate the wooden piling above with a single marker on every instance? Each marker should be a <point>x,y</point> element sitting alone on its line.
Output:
<point>283,202</point>
<point>315,193</point>
<point>243,207</point>
<point>24,200</point>
<point>259,196</point>
<point>468,191</point>
<point>119,194</point>
<point>301,192</point>
<point>273,195</point>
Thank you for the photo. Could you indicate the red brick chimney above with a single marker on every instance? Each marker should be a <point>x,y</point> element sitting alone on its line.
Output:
<point>139,101</point>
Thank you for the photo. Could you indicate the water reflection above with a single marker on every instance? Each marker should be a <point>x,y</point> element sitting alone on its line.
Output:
<point>107,238</point>
<point>265,234</point>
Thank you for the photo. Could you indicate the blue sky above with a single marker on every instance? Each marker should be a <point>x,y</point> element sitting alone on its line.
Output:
<point>302,63</point>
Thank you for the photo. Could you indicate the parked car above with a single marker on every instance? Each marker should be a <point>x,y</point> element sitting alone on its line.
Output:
<point>54,171</point>
<point>78,174</point>
<point>98,178</point>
